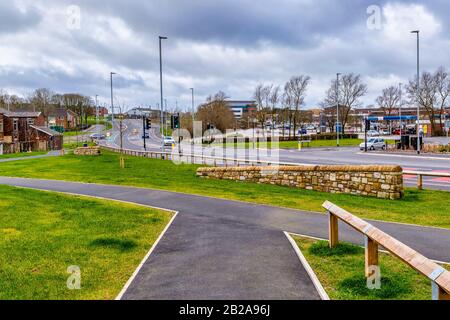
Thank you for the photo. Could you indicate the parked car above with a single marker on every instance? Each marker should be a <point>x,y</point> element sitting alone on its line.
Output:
<point>98,136</point>
<point>168,141</point>
<point>396,132</point>
<point>373,133</point>
<point>374,144</point>
<point>385,132</point>
<point>411,130</point>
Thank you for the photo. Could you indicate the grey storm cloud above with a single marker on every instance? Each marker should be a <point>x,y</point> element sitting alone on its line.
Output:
<point>228,45</point>
<point>12,19</point>
<point>238,22</point>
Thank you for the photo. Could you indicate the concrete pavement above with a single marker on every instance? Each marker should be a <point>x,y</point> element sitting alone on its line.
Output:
<point>49,154</point>
<point>220,249</point>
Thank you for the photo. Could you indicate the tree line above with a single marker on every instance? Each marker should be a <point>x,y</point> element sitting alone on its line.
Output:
<point>46,101</point>
<point>285,103</point>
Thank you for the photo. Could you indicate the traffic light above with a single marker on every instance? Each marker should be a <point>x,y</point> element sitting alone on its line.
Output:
<point>175,121</point>
<point>367,124</point>
<point>148,123</point>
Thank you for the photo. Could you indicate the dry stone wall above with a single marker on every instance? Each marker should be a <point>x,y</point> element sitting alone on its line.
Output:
<point>87,151</point>
<point>385,182</point>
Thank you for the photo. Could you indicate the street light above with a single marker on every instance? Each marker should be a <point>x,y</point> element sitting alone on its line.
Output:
<point>193,111</point>
<point>193,119</point>
<point>337,108</point>
<point>161,86</point>
<point>418,90</point>
<point>97,112</point>
<point>112,100</point>
<point>400,107</point>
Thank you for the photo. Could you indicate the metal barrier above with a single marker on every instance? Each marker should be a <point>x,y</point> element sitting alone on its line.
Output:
<point>374,237</point>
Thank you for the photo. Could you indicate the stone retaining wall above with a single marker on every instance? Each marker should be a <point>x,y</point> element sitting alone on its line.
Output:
<point>87,151</point>
<point>384,182</point>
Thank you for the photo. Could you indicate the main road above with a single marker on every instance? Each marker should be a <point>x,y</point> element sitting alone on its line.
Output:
<point>132,139</point>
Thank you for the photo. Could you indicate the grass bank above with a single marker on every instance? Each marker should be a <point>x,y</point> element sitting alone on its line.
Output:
<point>42,234</point>
<point>425,207</point>
<point>295,144</point>
<point>341,272</point>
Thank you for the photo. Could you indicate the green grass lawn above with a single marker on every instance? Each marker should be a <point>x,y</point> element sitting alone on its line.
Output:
<point>22,154</point>
<point>43,233</point>
<point>294,144</point>
<point>341,272</point>
<point>425,207</point>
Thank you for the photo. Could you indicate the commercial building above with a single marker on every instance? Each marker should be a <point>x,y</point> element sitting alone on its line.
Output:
<point>241,107</point>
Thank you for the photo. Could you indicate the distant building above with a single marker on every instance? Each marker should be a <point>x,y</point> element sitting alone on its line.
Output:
<point>26,131</point>
<point>241,107</point>
<point>63,118</point>
<point>143,112</point>
<point>102,111</point>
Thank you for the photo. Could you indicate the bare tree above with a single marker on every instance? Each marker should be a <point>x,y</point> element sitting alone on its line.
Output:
<point>434,92</point>
<point>388,101</point>
<point>351,90</point>
<point>443,94</point>
<point>295,91</point>
<point>274,100</point>
<point>41,100</point>
<point>216,112</point>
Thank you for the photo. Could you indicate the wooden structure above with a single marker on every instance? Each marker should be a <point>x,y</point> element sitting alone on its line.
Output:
<point>421,174</point>
<point>374,237</point>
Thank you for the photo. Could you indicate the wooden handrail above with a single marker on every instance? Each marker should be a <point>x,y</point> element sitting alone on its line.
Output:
<point>440,278</point>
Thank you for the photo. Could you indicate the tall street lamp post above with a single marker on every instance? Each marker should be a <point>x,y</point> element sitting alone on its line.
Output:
<point>418,90</point>
<point>161,88</point>
<point>400,107</point>
<point>112,100</point>
<point>97,113</point>
<point>193,112</point>
<point>337,108</point>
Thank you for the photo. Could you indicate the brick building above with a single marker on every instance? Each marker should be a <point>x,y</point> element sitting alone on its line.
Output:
<point>26,131</point>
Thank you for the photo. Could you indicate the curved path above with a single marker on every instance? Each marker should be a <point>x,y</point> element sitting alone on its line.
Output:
<point>220,249</point>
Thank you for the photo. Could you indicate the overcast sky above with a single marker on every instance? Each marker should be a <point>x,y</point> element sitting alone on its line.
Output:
<point>228,45</point>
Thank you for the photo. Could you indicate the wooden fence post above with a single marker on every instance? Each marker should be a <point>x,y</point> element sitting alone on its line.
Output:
<point>371,254</point>
<point>437,293</point>
<point>419,182</point>
<point>333,228</point>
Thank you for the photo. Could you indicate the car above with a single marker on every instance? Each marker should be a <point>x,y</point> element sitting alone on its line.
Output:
<point>396,132</point>
<point>373,144</point>
<point>385,132</point>
<point>169,141</point>
<point>302,131</point>
<point>373,133</point>
<point>98,136</point>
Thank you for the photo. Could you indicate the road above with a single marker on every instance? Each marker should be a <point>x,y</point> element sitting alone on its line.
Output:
<point>323,156</point>
<point>221,249</point>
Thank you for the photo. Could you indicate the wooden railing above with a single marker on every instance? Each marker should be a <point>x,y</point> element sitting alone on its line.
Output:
<point>421,174</point>
<point>214,160</point>
<point>374,237</point>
